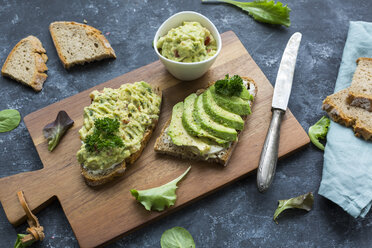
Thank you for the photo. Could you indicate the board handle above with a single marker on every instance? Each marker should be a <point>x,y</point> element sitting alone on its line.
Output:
<point>38,194</point>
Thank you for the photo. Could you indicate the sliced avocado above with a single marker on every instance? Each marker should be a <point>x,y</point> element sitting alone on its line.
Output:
<point>179,135</point>
<point>232,104</point>
<point>246,95</point>
<point>191,126</point>
<point>221,115</point>
<point>211,126</point>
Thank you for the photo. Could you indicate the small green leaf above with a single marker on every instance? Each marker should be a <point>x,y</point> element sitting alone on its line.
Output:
<point>54,131</point>
<point>177,237</point>
<point>9,119</point>
<point>230,86</point>
<point>160,197</point>
<point>19,244</point>
<point>302,202</point>
<point>319,131</point>
<point>263,10</point>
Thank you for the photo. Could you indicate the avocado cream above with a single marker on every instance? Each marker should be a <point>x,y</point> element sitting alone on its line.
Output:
<point>188,43</point>
<point>135,106</point>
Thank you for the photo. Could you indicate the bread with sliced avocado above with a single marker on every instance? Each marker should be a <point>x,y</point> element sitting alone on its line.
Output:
<point>196,146</point>
<point>136,108</point>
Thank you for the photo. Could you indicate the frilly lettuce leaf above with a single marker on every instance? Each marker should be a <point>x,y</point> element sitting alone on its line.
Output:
<point>302,202</point>
<point>54,131</point>
<point>319,131</point>
<point>177,237</point>
<point>160,197</point>
<point>263,10</point>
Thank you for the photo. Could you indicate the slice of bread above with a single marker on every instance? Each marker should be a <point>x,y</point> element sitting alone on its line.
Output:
<point>360,91</point>
<point>119,169</point>
<point>78,43</point>
<point>26,63</point>
<point>165,145</point>
<point>340,111</point>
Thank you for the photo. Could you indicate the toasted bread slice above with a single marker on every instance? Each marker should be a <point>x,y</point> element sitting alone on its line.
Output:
<point>78,43</point>
<point>360,91</point>
<point>26,63</point>
<point>340,111</point>
<point>165,145</point>
<point>119,169</point>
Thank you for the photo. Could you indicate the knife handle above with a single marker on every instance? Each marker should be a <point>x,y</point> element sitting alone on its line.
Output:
<point>269,154</point>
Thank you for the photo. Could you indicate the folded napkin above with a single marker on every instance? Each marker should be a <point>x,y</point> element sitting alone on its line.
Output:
<point>347,169</point>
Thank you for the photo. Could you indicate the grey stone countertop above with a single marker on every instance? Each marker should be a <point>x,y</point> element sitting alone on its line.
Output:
<point>236,216</point>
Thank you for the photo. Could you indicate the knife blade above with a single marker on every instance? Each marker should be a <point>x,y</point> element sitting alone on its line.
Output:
<point>282,91</point>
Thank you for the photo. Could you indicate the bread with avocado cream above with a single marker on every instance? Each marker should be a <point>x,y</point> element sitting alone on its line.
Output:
<point>203,128</point>
<point>117,126</point>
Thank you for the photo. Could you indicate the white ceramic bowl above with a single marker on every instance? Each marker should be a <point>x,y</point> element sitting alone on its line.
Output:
<point>187,71</point>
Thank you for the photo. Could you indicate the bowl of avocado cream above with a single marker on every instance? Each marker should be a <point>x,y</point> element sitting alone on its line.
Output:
<point>187,43</point>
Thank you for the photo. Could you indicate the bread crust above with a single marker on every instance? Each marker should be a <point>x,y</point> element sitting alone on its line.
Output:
<point>337,115</point>
<point>110,53</point>
<point>357,98</point>
<point>184,153</point>
<point>40,57</point>
<point>118,170</point>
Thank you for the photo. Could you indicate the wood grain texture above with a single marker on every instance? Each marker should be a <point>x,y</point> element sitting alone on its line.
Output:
<point>98,215</point>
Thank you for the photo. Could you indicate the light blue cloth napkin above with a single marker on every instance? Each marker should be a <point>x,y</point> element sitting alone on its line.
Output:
<point>347,169</point>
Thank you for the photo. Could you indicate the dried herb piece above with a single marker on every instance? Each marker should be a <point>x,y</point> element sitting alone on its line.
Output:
<point>302,202</point>
<point>9,119</point>
<point>54,131</point>
<point>177,237</point>
<point>319,131</point>
<point>19,244</point>
<point>160,197</point>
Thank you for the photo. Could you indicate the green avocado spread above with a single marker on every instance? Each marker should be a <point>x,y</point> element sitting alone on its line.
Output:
<point>188,43</point>
<point>134,106</point>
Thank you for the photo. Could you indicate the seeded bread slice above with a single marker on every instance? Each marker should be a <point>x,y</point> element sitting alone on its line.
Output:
<point>340,111</point>
<point>164,144</point>
<point>78,43</point>
<point>360,91</point>
<point>109,175</point>
<point>26,63</point>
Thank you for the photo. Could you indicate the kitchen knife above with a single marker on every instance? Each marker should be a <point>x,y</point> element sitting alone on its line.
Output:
<point>282,91</point>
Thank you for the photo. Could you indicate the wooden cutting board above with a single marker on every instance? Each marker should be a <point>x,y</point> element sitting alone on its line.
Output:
<point>98,215</point>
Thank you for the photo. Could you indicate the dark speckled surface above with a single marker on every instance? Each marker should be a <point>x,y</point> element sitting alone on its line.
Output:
<point>237,216</point>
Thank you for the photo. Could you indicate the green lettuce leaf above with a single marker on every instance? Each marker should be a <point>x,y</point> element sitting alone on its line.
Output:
<point>263,10</point>
<point>19,244</point>
<point>160,197</point>
<point>54,131</point>
<point>177,237</point>
<point>319,131</point>
<point>9,119</point>
<point>302,202</point>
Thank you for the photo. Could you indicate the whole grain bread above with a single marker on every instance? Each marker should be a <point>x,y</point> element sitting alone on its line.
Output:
<point>340,111</point>
<point>164,145</point>
<point>360,91</point>
<point>109,175</point>
<point>78,43</point>
<point>26,63</point>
